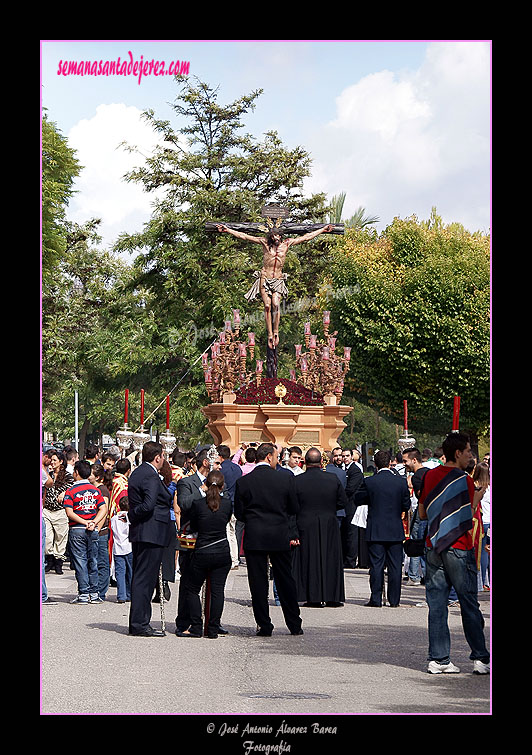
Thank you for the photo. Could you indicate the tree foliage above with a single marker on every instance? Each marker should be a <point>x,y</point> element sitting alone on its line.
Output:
<point>414,304</point>
<point>59,169</point>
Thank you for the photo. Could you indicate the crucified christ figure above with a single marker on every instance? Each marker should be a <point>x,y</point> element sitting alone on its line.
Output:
<point>270,281</point>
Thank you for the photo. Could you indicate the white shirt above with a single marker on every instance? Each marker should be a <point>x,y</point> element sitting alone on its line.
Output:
<point>296,470</point>
<point>485,506</point>
<point>120,530</point>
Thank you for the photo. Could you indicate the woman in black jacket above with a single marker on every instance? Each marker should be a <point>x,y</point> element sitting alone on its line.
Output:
<point>211,558</point>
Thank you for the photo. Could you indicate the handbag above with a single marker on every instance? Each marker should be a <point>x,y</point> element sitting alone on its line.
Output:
<point>414,547</point>
<point>186,538</point>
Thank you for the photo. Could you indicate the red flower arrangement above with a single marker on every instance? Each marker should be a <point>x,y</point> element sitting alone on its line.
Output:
<point>296,395</point>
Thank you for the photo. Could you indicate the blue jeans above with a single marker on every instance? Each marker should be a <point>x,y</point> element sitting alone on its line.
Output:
<point>84,555</point>
<point>123,572</point>
<point>453,568</point>
<point>104,567</point>
<point>416,565</point>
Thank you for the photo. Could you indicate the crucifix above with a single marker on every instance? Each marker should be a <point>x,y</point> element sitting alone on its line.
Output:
<point>270,281</point>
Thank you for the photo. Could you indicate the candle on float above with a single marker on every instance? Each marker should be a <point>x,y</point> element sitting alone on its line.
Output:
<point>347,353</point>
<point>242,349</point>
<point>228,325</point>
<point>312,344</point>
<point>405,411</point>
<point>259,365</point>
<point>325,353</point>
<point>204,358</point>
<point>332,342</point>
<point>304,364</point>
<point>208,375</point>
<point>168,412</point>
<point>298,350</point>
<point>142,406</point>
<point>222,337</point>
<point>251,339</point>
<point>293,375</point>
<point>236,316</point>
<point>126,406</point>
<point>456,413</point>
<point>307,328</point>
<point>326,318</point>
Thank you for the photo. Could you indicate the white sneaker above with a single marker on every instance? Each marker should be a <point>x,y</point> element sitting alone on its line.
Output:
<point>481,668</point>
<point>442,668</point>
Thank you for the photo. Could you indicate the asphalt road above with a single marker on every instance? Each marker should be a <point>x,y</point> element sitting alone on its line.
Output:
<point>352,660</point>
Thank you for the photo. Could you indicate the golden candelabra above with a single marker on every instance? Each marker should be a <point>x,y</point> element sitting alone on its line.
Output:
<point>322,370</point>
<point>227,367</point>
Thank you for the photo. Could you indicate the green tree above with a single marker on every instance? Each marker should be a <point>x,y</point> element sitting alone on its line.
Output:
<point>208,170</point>
<point>414,305</point>
<point>89,309</point>
<point>59,168</point>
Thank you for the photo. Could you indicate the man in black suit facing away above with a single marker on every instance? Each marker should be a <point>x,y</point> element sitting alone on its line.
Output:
<point>354,478</point>
<point>387,496</point>
<point>150,531</point>
<point>265,499</point>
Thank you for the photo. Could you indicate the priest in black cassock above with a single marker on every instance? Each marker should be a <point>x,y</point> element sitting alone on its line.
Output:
<point>318,564</point>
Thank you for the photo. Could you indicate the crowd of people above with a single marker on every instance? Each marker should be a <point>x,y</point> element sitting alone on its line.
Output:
<point>296,520</point>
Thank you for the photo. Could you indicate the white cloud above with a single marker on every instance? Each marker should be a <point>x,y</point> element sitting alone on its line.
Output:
<point>102,191</point>
<point>405,141</point>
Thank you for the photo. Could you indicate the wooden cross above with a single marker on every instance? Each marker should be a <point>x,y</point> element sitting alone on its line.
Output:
<point>278,213</point>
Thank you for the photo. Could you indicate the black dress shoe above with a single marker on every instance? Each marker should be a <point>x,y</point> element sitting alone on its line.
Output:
<point>312,605</point>
<point>264,632</point>
<point>372,605</point>
<point>298,631</point>
<point>333,604</point>
<point>394,605</point>
<point>149,633</point>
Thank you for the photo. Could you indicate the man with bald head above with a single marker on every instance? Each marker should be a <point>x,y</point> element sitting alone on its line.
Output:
<point>318,565</point>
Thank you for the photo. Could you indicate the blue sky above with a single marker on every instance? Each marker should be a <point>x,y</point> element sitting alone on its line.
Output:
<point>400,126</point>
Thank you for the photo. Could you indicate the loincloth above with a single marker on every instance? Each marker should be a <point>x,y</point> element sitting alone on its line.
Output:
<point>271,286</point>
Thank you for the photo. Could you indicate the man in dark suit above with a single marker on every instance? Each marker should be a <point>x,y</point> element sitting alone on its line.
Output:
<point>354,478</point>
<point>230,470</point>
<point>188,490</point>
<point>150,531</point>
<point>265,499</point>
<point>387,497</point>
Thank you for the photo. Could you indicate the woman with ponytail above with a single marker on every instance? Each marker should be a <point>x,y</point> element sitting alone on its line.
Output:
<point>212,557</point>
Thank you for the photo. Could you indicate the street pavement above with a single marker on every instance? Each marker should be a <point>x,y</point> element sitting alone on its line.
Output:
<point>350,660</point>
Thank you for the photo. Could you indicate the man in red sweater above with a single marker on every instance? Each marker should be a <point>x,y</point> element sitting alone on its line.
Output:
<point>449,502</point>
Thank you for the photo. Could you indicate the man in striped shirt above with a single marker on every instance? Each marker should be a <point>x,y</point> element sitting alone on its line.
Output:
<point>86,511</point>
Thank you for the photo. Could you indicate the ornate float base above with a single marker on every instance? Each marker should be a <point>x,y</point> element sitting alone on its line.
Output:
<point>231,424</point>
